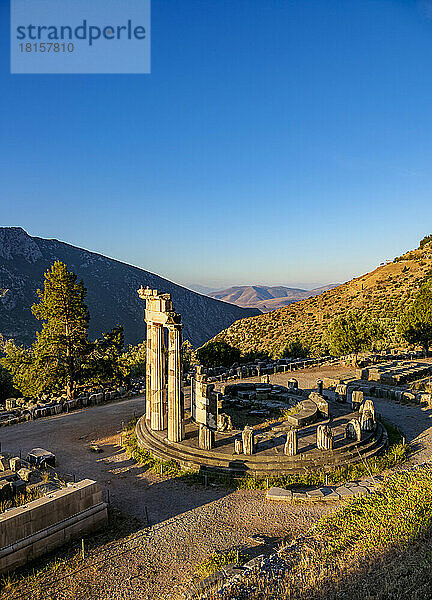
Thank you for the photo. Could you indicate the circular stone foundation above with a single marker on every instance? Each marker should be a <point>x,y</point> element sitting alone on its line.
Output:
<point>270,438</point>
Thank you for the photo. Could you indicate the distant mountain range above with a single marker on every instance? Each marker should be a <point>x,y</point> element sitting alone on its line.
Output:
<point>111,291</point>
<point>266,298</point>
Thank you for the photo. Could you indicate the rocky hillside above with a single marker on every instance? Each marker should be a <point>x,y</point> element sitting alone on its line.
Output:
<point>383,294</point>
<point>111,291</point>
<point>266,298</point>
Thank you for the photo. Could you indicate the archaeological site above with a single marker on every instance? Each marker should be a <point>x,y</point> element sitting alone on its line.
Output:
<point>216,300</point>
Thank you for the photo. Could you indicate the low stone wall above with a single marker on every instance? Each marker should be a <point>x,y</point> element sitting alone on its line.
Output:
<point>29,531</point>
<point>19,410</point>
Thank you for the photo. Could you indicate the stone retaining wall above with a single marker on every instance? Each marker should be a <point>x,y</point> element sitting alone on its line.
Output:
<point>29,531</point>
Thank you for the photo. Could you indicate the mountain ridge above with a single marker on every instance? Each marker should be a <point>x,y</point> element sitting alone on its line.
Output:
<point>111,291</point>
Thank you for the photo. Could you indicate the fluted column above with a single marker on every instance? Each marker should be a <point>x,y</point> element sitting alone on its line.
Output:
<point>157,377</point>
<point>175,396</point>
<point>148,371</point>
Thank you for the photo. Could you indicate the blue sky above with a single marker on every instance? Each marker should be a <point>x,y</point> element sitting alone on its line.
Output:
<point>275,141</point>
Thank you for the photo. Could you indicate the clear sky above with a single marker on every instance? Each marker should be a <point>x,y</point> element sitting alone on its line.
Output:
<point>275,141</point>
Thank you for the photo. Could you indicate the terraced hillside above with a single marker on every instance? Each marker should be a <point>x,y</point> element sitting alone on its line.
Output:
<point>382,294</point>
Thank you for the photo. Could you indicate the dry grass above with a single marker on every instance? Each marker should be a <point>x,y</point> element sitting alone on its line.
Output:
<point>20,500</point>
<point>379,545</point>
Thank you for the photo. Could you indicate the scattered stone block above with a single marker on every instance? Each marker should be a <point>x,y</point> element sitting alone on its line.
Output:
<point>353,430</point>
<point>277,493</point>
<point>367,421</point>
<point>206,438</point>
<point>248,440</point>
<point>291,444</point>
<point>15,463</point>
<point>19,487</point>
<point>224,422</point>
<point>238,446</point>
<point>4,463</point>
<point>324,437</point>
<point>322,404</point>
<point>359,490</point>
<point>29,475</point>
<point>356,399</point>
<point>10,403</point>
<point>6,491</point>
<point>341,392</point>
<point>315,494</point>
<point>299,496</point>
<point>329,493</point>
<point>344,492</point>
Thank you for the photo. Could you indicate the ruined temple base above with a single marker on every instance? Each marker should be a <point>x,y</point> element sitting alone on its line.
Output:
<point>269,458</point>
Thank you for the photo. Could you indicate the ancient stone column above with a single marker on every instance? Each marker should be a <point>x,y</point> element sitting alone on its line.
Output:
<point>175,397</point>
<point>192,401</point>
<point>324,437</point>
<point>291,444</point>
<point>148,372</point>
<point>238,446</point>
<point>353,430</point>
<point>206,438</point>
<point>248,440</point>
<point>292,384</point>
<point>356,400</point>
<point>368,405</point>
<point>157,378</point>
<point>367,421</point>
<point>341,392</point>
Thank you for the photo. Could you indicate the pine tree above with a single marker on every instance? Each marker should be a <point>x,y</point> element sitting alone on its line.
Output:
<point>106,363</point>
<point>416,323</point>
<point>62,346</point>
<point>27,373</point>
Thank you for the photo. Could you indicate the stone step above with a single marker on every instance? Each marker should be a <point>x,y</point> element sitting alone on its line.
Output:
<point>195,459</point>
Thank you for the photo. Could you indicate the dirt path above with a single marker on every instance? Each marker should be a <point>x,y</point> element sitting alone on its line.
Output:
<point>188,522</point>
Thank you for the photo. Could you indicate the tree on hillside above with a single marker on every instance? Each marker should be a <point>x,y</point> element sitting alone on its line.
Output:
<point>351,334</point>
<point>134,360</point>
<point>187,355</point>
<point>217,353</point>
<point>295,349</point>
<point>416,323</point>
<point>62,344</point>
<point>253,355</point>
<point>105,363</point>
<point>7,389</point>
<point>54,362</point>
<point>426,240</point>
<point>26,371</point>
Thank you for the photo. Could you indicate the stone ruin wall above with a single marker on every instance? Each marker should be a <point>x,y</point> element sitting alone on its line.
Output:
<point>29,531</point>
